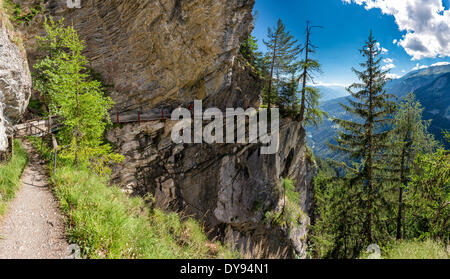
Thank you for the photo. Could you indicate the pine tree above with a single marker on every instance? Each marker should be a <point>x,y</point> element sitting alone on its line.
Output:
<point>428,196</point>
<point>335,228</point>
<point>282,53</point>
<point>249,50</point>
<point>288,95</point>
<point>310,112</point>
<point>408,138</point>
<point>366,137</point>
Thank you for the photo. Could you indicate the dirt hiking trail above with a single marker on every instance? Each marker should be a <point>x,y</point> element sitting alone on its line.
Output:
<point>33,227</point>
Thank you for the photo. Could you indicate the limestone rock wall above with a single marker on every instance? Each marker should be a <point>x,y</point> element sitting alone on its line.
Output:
<point>15,81</point>
<point>156,53</point>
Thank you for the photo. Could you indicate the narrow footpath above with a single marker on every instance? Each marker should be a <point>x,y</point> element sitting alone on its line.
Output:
<point>33,227</point>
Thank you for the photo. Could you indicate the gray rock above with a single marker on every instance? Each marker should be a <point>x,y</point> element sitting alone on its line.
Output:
<point>15,83</point>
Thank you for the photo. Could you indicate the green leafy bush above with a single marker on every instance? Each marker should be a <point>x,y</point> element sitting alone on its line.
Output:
<point>61,75</point>
<point>23,15</point>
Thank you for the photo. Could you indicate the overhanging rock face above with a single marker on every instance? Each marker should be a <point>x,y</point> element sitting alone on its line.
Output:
<point>15,82</point>
<point>158,52</point>
<point>167,53</point>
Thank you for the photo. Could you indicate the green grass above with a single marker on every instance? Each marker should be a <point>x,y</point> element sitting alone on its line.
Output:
<point>292,215</point>
<point>10,173</point>
<point>107,223</point>
<point>408,249</point>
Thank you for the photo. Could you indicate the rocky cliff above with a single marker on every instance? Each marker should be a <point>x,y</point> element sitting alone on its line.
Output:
<point>15,80</point>
<point>167,53</point>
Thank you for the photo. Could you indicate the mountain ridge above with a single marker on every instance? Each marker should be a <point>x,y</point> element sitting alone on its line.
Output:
<point>432,89</point>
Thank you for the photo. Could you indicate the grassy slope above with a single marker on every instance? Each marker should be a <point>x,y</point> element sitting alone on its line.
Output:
<point>108,223</point>
<point>10,173</point>
<point>427,249</point>
<point>413,249</point>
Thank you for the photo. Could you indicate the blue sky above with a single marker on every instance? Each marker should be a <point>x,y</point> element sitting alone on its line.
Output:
<point>347,26</point>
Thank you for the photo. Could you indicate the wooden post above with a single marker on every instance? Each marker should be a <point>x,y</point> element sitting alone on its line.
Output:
<point>55,148</point>
<point>117,118</point>
<point>11,145</point>
<point>139,118</point>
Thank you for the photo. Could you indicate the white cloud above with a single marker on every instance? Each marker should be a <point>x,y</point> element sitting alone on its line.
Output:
<point>426,23</point>
<point>419,67</point>
<point>380,48</point>
<point>388,67</point>
<point>389,64</point>
<point>440,64</point>
<point>393,76</point>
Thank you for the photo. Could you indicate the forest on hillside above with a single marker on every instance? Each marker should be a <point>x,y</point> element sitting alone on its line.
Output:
<point>391,179</point>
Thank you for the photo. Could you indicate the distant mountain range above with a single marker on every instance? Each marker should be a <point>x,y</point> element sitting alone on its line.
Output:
<point>331,92</point>
<point>432,89</point>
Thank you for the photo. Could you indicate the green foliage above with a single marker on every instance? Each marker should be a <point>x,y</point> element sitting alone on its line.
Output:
<point>365,140</point>
<point>310,112</point>
<point>282,53</point>
<point>336,230</point>
<point>279,68</point>
<point>414,250</point>
<point>106,223</point>
<point>249,50</point>
<point>408,138</point>
<point>413,197</point>
<point>291,214</point>
<point>10,173</point>
<point>62,77</point>
<point>36,107</point>
<point>326,167</point>
<point>428,196</point>
<point>23,15</point>
<point>288,99</point>
<point>313,115</point>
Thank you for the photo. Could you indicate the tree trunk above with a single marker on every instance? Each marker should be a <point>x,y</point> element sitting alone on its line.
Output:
<point>403,181</point>
<point>304,75</point>
<point>269,93</point>
<point>370,157</point>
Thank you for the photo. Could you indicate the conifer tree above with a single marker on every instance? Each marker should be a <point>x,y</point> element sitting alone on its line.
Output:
<point>310,112</point>
<point>365,138</point>
<point>408,138</point>
<point>283,51</point>
<point>288,95</point>
<point>249,50</point>
<point>428,196</point>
